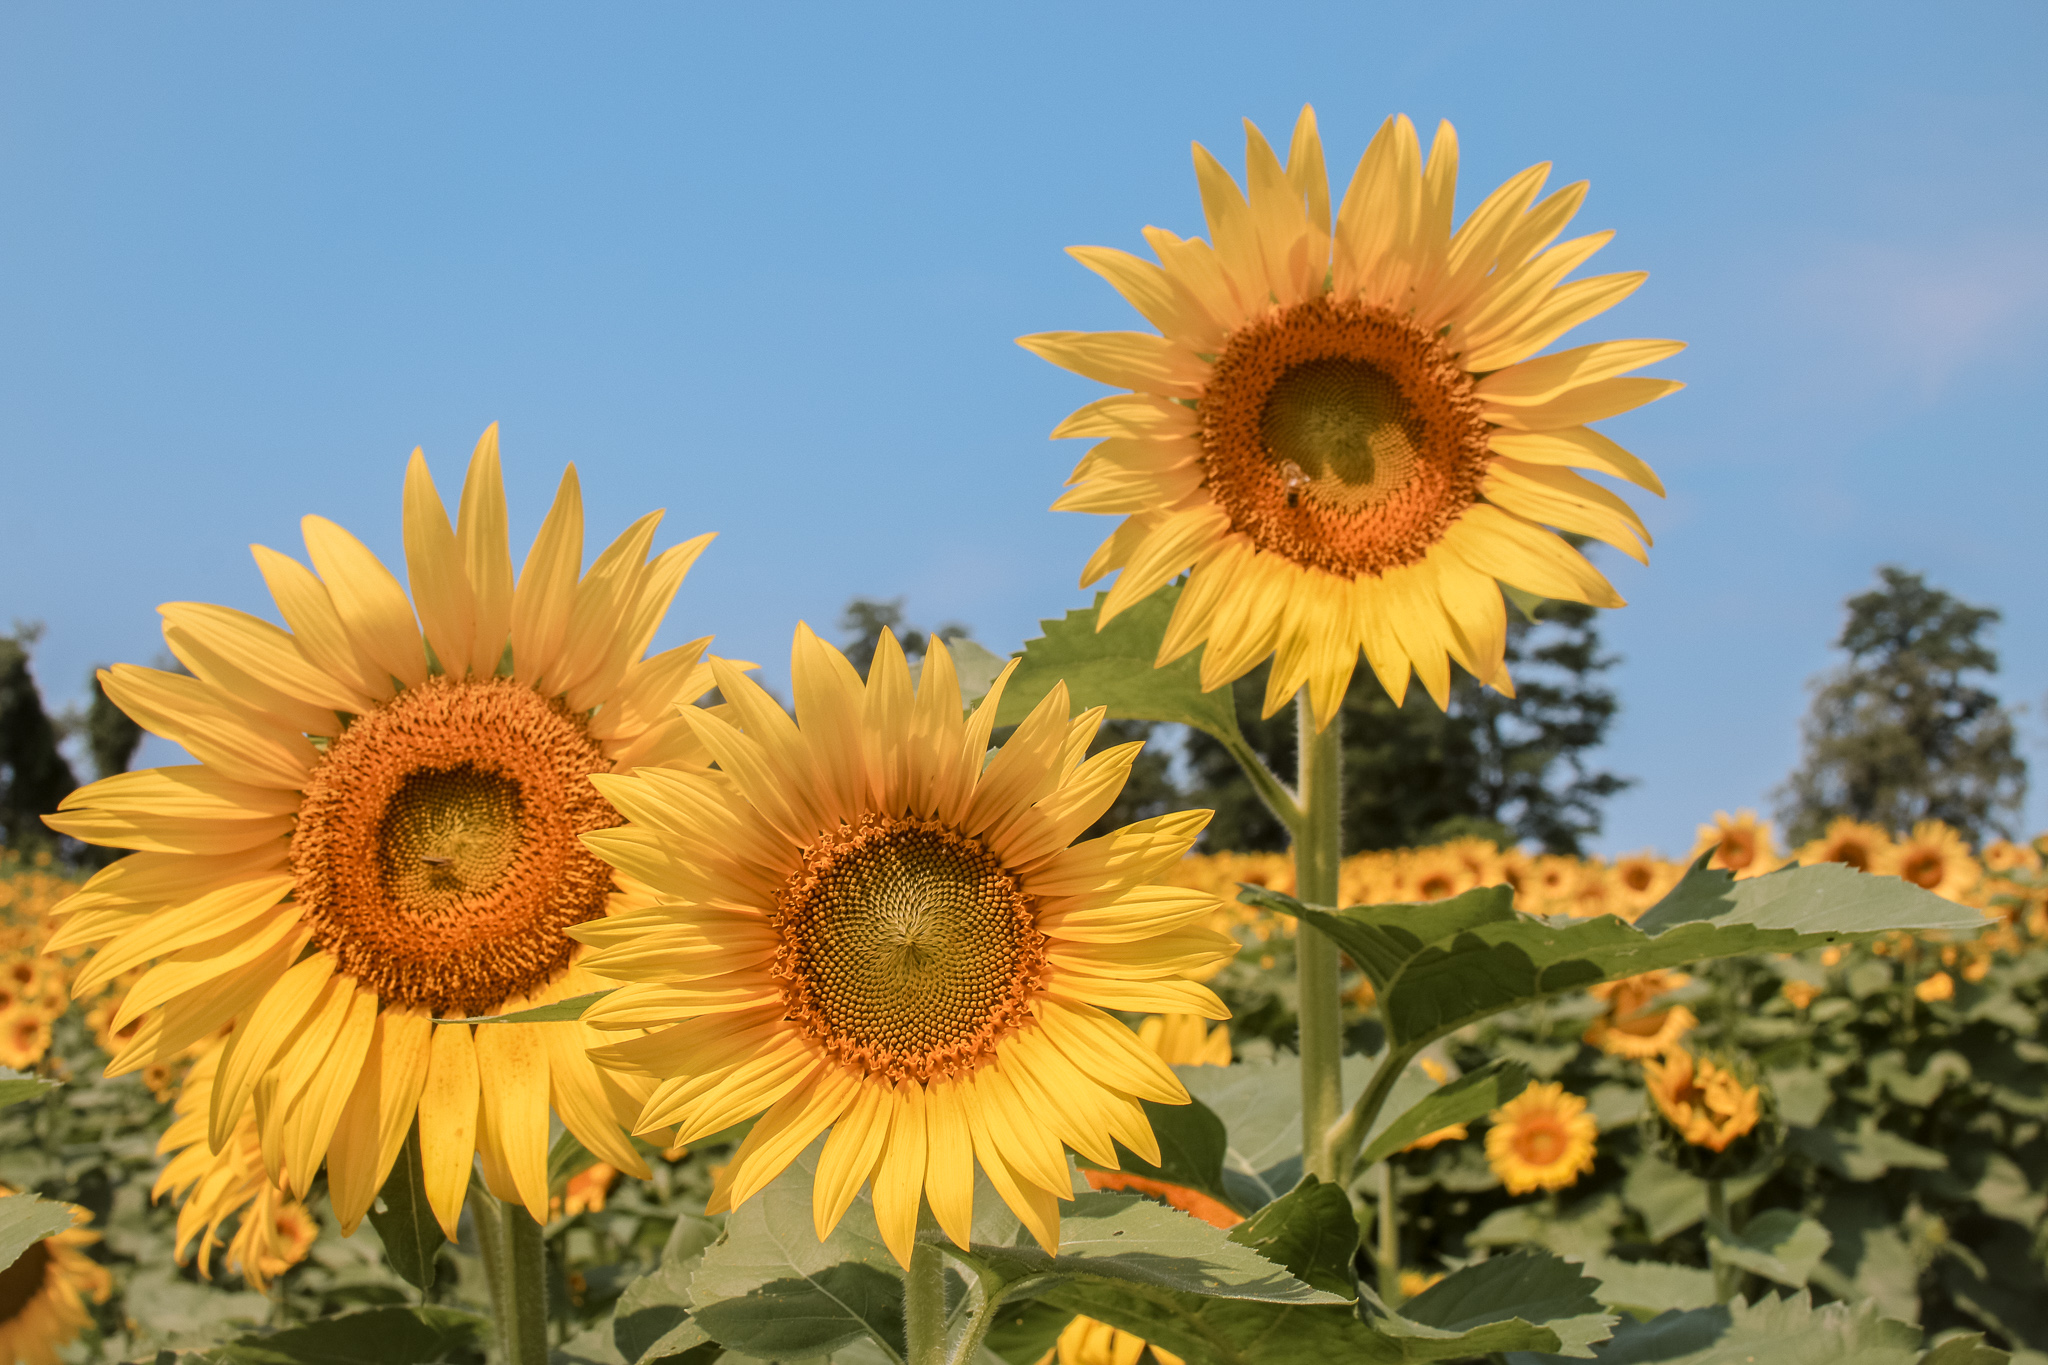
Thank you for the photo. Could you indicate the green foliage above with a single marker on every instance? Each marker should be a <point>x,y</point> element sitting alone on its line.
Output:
<point>15,1087</point>
<point>1508,769</point>
<point>1903,732</point>
<point>412,1238</point>
<point>26,1220</point>
<point>110,736</point>
<point>372,1336</point>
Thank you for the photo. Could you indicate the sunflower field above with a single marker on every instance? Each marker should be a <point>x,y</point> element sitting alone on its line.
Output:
<point>489,988</point>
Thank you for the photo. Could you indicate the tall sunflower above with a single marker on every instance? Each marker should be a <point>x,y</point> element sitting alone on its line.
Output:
<point>43,1294</point>
<point>1344,429</point>
<point>871,926</point>
<point>381,837</point>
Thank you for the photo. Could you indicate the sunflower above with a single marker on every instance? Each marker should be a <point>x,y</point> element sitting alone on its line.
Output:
<point>1703,1100</point>
<point>24,1036</point>
<point>273,1230</point>
<point>1647,1034</point>
<point>1542,1139</point>
<point>1341,429</point>
<point>1640,881</point>
<point>1855,843</point>
<point>43,1294</point>
<point>870,926</point>
<point>1741,843</point>
<point>1802,993</point>
<point>380,839</point>
<point>1185,1040</point>
<point>1084,1341</point>
<point>1934,858</point>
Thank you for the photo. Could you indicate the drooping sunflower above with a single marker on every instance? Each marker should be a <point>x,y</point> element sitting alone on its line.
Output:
<point>1705,1101</point>
<point>1344,429</point>
<point>1856,843</point>
<point>43,1294</point>
<point>1630,1028</point>
<point>1542,1139</point>
<point>1084,1341</point>
<point>380,837</point>
<point>1933,857</point>
<point>870,926</point>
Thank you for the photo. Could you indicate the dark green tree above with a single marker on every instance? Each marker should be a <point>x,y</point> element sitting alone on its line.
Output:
<point>34,776</point>
<point>110,736</point>
<point>1905,730</point>
<point>1504,768</point>
<point>864,620</point>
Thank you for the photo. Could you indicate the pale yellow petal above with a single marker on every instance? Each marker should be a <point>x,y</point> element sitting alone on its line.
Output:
<point>899,1178</point>
<point>378,1114</point>
<point>260,650</point>
<point>372,606</point>
<point>441,591</point>
<point>316,627</point>
<point>238,742</point>
<point>484,543</point>
<point>448,1121</point>
<point>546,590</point>
<point>1127,360</point>
<point>1581,447</point>
<point>512,1113</point>
<point>850,1156</point>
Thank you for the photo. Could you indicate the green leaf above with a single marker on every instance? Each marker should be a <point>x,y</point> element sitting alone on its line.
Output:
<point>1528,1301</point>
<point>1113,667</point>
<point>26,1220</point>
<point>1311,1231</point>
<point>373,1336</point>
<point>1442,965</point>
<point>1968,1349</point>
<point>976,668</point>
<point>1259,1103</point>
<point>16,1086</point>
<point>770,1288</point>
<point>412,1237</point>
<point>1865,1153</point>
<point>1651,1287</point>
<point>1773,1331</point>
<point>1023,1332</point>
<point>1469,1098</point>
<point>1778,1245</point>
<point>567,1158</point>
<point>560,1012</point>
<point>652,1320</point>
<point>1192,1149</point>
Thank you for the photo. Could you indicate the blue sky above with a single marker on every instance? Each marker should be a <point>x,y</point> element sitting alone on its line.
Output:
<point>763,266</point>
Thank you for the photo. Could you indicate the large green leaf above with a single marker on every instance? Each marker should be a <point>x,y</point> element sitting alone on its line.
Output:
<point>770,1288</point>
<point>1777,1244</point>
<point>1113,667</point>
<point>1311,1231</point>
<point>1772,1331</point>
<point>1651,1287</point>
<point>652,1321</point>
<point>26,1220</point>
<point>16,1086</point>
<point>412,1236</point>
<point>373,1336</point>
<point>1440,966</point>
<point>1528,1301</point>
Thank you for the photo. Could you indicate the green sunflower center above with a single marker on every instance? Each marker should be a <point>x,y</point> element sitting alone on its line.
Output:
<point>22,1281</point>
<point>1342,421</point>
<point>907,948</point>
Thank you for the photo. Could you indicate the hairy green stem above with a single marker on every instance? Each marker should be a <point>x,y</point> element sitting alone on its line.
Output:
<point>1271,789</point>
<point>515,1256</point>
<point>1347,1136</point>
<point>1389,1226</point>
<point>924,1306</point>
<point>1727,1276</point>
<point>1318,848</point>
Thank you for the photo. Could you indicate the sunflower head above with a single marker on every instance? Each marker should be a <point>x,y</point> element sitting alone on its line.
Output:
<point>1343,426</point>
<point>1740,843</point>
<point>1854,843</point>
<point>1934,858</point>
<point>870,925</point>
<point>1716,1116</point>
<point>382,836</point>
<point>1543,1139</point>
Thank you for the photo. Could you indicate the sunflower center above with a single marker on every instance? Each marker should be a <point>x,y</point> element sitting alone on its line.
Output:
<point>1540,1142</point>
<point>438,854</point>
<point>1341,436</point>
<point>22,1281</point>
<point>907,949</point>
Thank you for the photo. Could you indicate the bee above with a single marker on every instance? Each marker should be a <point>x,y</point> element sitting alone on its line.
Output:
<point>1292,476</point>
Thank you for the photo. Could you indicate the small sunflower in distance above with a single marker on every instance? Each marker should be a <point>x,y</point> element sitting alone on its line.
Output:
<point>1344,429</point>
<point>380,837</point>
<point>1542,1139</point>
<point>872,926</point>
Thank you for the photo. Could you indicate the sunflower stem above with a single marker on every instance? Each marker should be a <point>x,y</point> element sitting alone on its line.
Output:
<point>1389,1228</point>
<point>1286,809</point>
<point>1727,1276</point>
<point>515,1257</point>
<point>1318,848</point>
<point>924,1306</point>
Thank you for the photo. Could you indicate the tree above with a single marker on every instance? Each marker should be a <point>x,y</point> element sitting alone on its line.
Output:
<point>864,620</point>
<point>1904,731</point>
<point>1505,768</point>
<point>34,776</point>
<point>110,735</point>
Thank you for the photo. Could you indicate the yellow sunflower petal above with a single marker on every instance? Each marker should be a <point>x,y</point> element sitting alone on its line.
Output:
<point>372,606</point>
<point>512,1113</point>
<point>546,590</point>
<point>448,1121</point>
<point>484,543</point>
<point>441,590</point>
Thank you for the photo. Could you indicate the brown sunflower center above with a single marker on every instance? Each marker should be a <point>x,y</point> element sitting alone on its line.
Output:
<point>907,948</point>
<point>1341,436</point>
<point>1923,870</point>
<point>437,854</point>
<point>22,1281</point>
